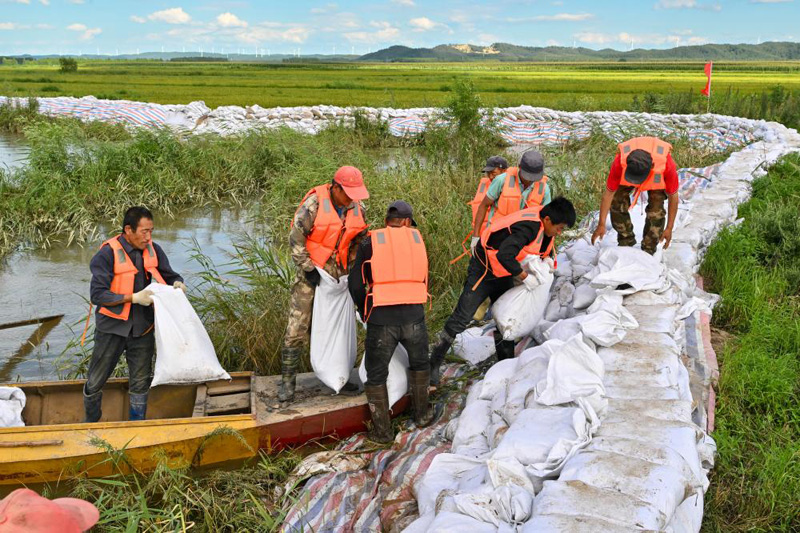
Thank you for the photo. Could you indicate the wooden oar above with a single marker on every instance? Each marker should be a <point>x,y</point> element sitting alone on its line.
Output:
<point>30,321</point>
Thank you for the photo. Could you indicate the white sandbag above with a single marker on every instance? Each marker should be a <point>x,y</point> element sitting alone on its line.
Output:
<point>397,381</point>
<point>448,472</point>
<point>421,524</point>
<point>557,523</point>
<point>620,265</point>
<point>184,352</point>
<point>333,331</point>
<point>563,330</point>
<point>12,402</point>
<point>660,486</point>
<point>519,309</point>
<point>474,345</point>
<point>474,419</point>
<point>538,432</point>
<point>582,253</point>
<point>514,504</point>
<point>574,370</point>
<point>688,517</point>
<point>509,472</point>
<point>448,522</point>
<point>584,296</point>
<point>497,377</point>
<point>577,499</point>
<point>479,506</point>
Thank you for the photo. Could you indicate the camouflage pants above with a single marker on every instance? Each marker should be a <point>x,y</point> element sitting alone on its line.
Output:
<point>298,328</point>
<point>655,221</point>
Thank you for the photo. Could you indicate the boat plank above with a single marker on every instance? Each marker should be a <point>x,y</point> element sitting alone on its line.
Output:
<point>229,389</point>
<point>227,403</point>
<point>200,401</point>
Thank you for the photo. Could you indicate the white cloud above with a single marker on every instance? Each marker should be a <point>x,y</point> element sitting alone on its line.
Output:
<point>20,1</point>
<point>7,26</point>
<point>405,3</point>
<point>770,1</point>
<point>426,24</point>
<point>255,34</point>
<point>87,34</point>
<point>45,27</point>
<point>140,20</point>
<point>653,39</point>
<point>175,15</point>
<point>76,1</point>
<point>686,4</point>
<point>487,39</point>
<point>564,17</point>
<point>595,38</point>
<point>552,42</point>
<point>44,2</point>
<point>229,20</point>
<point>384,32</point>
<point>328,8</point>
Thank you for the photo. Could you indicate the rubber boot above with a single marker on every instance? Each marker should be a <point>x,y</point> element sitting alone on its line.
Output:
<point>290,357</point>
<point>438,351</point>
<point>504,349</point>
<point>92,406</point>
<point>378,401</point>
<point>138,406</point>
<point>423,414</point>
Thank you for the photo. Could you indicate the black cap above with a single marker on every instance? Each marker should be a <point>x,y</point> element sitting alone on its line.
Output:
<point>639,165</point>
<point>531,166</point>
<point>401,209</point>
<point>495,162</point>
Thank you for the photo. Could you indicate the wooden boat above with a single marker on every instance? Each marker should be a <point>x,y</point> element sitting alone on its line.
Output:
<point>185,424</point>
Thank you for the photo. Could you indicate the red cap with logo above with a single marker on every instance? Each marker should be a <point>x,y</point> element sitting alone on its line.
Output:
<point>25,511</point>
<point>352,182</point>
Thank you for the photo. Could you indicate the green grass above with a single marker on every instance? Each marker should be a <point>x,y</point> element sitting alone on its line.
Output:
<point>756,269</point>
<point>569,86</point>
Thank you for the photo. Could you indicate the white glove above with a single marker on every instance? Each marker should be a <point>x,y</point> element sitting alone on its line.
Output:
<point>472,244</point>
<point>531,282</point>
<point>551,266</point>
<point>180,285</point>
<point>143,297</point>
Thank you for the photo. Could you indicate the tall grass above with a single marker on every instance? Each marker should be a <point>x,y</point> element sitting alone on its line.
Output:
<point>756,269</point>
<point>171,499</point>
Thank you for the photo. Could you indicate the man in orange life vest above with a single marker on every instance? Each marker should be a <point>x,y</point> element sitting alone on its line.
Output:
<point>642,164</point>
<point>495,264</point>
<point>514,189</point>
<point>326,230</point>
<point>121,270</point>
<point>389,284</point>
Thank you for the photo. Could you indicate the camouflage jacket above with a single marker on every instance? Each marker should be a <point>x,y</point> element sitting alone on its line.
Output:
<point>303,224</point>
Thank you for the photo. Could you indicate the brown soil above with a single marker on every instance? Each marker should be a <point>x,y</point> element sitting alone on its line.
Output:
<point>719,339</point>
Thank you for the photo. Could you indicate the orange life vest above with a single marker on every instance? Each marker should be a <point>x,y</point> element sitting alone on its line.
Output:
<point>480,194</point>
<point>504,224</point>
<point>329,234</point>
<point>509,200</point>
<point>399,267</point>
<point>125,274</point>
<point>659,150</point>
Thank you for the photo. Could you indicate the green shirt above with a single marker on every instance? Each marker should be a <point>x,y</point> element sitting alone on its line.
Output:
<point>496,188</point>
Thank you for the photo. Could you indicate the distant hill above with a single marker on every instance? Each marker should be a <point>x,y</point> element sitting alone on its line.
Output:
<point>774,51</point>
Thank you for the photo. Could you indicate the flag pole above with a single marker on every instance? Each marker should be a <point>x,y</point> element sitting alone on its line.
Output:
<point>708,102</point>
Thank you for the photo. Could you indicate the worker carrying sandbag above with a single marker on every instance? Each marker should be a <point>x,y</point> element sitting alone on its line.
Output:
<point>511,190</point>
<point>325,232</point>
<point>389,284</point>
<point>495,264</point>
<point>642,164</point>
<point>121,270</point>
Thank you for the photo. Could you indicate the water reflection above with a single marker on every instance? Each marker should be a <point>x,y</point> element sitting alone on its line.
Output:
<point>13,152</point>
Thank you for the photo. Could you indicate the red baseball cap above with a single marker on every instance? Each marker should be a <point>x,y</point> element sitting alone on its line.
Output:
<point>352,182</point>
<point>24,511</point>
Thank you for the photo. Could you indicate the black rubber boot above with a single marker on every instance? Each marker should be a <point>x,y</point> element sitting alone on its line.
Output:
<point>290,358</point>
<point>504,349</point>
<point>92,406</point>
<point>378,401</point>
<point>138,406</point>
<point>423,414</point>
<point>438,351</point>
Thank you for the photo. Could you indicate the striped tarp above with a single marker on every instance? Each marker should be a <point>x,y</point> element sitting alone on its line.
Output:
<point>381,494</point>
<point>118,111</point>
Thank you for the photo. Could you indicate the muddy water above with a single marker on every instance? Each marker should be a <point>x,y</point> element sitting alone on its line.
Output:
<point>40,283</point>
<point>13,152</point>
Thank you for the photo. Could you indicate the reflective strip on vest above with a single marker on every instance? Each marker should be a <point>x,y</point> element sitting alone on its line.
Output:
<point>505,223</point>
<point>328,233</point>
<point>125,274</point>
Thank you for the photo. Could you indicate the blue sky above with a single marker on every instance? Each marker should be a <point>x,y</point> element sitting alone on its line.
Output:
<point>270,26</point>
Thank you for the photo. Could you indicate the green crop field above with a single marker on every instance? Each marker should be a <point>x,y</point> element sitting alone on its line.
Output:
<point>570,86</point>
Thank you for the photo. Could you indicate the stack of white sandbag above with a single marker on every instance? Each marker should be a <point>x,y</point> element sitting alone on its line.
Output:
<point>12,402</point>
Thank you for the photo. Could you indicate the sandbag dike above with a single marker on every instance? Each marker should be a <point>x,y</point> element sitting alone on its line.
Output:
<point>601,423</point>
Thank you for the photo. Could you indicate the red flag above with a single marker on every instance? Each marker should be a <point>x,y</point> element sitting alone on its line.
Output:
<point>707,90</point>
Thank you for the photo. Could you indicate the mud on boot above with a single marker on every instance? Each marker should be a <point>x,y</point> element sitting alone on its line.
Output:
<point>92,406</point>
<point>438,351</point>
<point>378,401</point>
<point>424,415</point>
